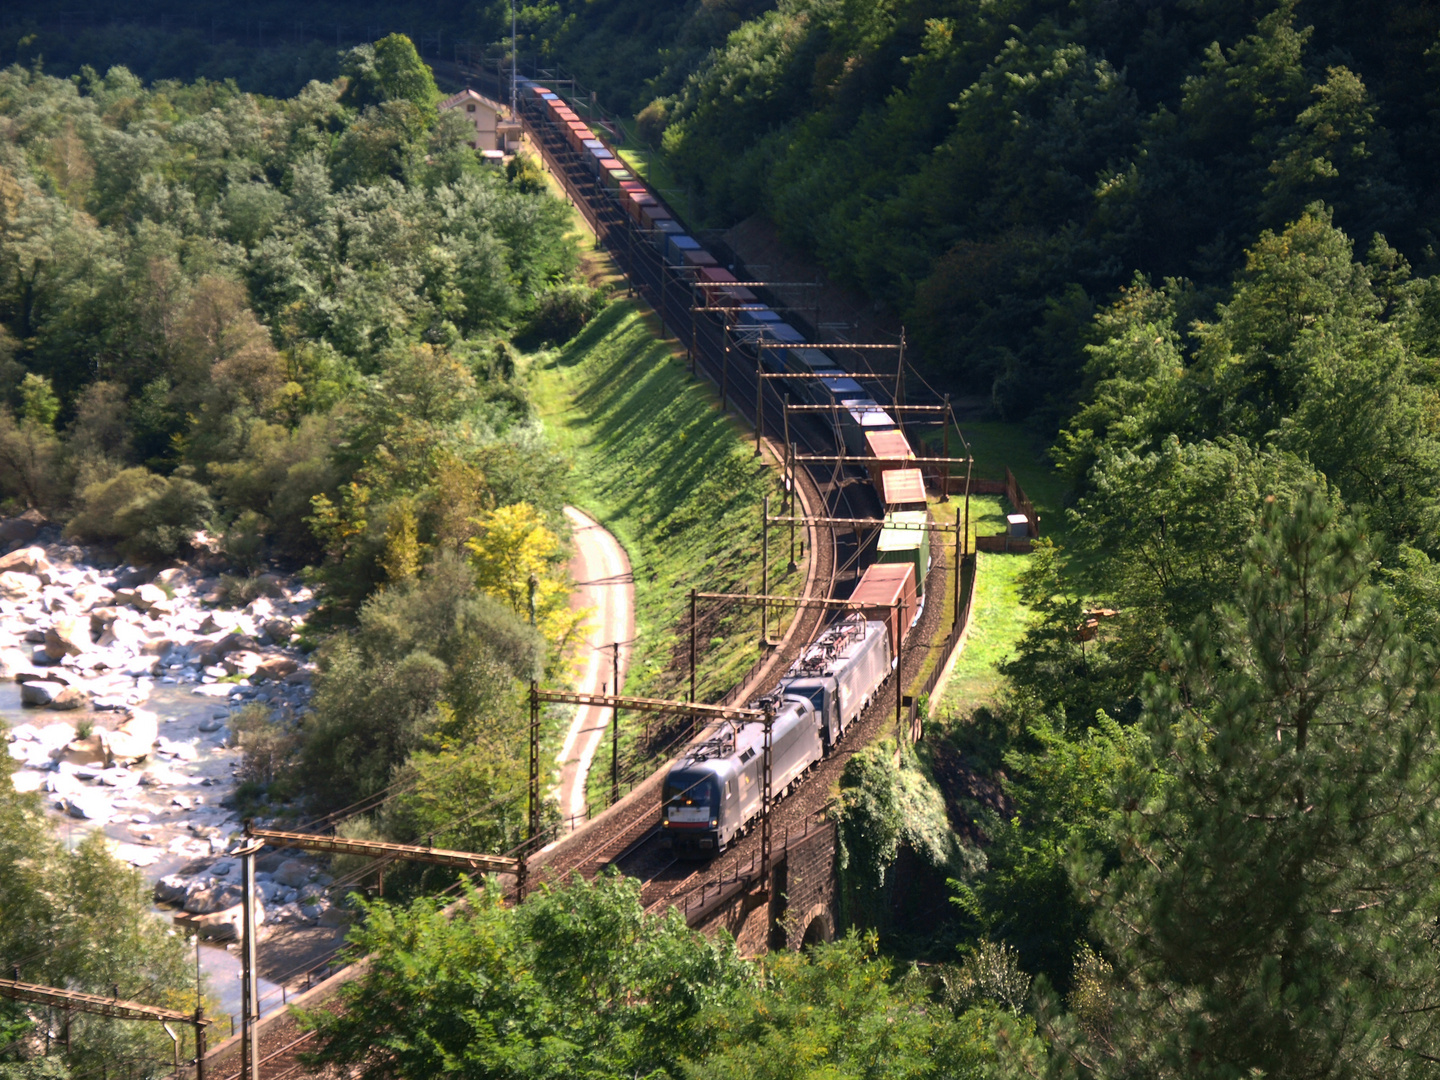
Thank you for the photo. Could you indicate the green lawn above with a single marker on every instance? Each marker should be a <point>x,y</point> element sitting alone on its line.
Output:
<point>997,618</point>
<point>651,167</point>
<point>659,465</point>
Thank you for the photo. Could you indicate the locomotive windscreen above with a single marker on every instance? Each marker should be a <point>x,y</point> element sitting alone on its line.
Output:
<point>691,789</point>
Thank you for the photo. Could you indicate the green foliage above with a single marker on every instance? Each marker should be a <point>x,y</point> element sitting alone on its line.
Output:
<point>389,70</point>
<point>579,980</point>
<point>82,919</point>
<point>883,806</point>
<point>1291,845</point>
<point>203,283</point>
<point>147,517</point>
<point>432,665</point>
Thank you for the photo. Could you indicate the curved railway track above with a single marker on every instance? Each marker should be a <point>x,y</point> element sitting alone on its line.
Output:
<point>628,839</point>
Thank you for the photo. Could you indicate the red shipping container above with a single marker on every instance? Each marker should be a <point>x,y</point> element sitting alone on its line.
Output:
<point>700,258</point>
<point>890,445</point>
<point>881,585</point>
<point>902,489</point>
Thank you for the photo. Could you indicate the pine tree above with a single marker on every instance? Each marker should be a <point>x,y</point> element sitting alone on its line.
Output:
<point>1275,909</point>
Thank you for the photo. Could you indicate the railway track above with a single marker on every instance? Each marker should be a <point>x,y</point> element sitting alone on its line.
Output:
<point>630,842</point>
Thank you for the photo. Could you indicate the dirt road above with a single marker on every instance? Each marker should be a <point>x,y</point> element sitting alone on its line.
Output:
<point>604,583</point>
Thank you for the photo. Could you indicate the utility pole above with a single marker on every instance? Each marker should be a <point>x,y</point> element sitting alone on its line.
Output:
<point>514,58</point>
<point>759,389</point>
<point>959,536</point>
<point>899,689</point>
<point>523,870</point>
<point>765,572</point>
<point>766,798</point>
<point>250,999</point>
<point>945,469</point>
<point>615,732</point>
<point>692,646</point>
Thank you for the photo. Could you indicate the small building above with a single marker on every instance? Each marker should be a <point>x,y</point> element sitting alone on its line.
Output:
<point>494,129</point>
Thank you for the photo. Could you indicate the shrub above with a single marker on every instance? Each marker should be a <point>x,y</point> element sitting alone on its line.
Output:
<point>563,311</point>
<point>267,745</point>
<point>652,121</point>
<point>148,517</point>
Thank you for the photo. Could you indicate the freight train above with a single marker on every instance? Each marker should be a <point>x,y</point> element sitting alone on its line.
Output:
<point>713,794</point>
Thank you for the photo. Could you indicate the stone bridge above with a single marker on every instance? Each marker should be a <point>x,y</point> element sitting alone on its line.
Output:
<point>797,906</point>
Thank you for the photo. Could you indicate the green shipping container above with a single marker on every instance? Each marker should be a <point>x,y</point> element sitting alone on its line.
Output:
<point>909,544</point>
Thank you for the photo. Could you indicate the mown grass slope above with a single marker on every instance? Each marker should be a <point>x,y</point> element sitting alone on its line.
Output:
<point>670,475</point>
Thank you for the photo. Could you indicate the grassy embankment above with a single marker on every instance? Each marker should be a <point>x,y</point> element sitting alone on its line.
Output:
<point>997,618</point>
<point>677,483</point>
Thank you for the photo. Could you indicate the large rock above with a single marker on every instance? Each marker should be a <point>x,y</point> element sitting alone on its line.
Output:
<point>30,560</point>
<point>89,751</point>
<point>70,636</point>
<point>212,652</point>
<point>17,586</point>
<point>277,667</point>
<point>92,806</point>
<point>244,662</point>
<point>278,630</point>
<point>206,896</point>
<point>72,697</point>
<point>293,873</point>
<point>40,693</point>
<point>149,597</point>
<point>132,740</point>
<point>224,925</point>
<point>21,530</point>
<point>91,596</point>
<point>171,889</point>
<point>50,675</point>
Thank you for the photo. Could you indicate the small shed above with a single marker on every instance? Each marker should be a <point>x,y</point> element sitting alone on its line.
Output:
<point>1019,526</point>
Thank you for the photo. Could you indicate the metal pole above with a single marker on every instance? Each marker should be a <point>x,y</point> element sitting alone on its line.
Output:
<point>759,393</point>
<point>968,466</point>
<point>249,1003</point>
<point>199,1043</point>
<point>692,646</point>
<point>514,57</point>
<point>945,469</point>
<point>615,733</point>
<point>725,372</point>
<point>522,869</point>
<point>765,800</point>
<point>958,536</point>
<point>765,572</point>
<point>789,481</point>
<point>694,343</point>
<point>895,622</point>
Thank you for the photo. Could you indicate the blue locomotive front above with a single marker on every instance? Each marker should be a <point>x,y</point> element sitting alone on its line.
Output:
<point>693,817</point>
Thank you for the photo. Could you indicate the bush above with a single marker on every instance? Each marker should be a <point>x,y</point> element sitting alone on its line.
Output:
<point>652,121</point>
<point>563,311</point>
<point>148,517</point>
<point>267,745</point>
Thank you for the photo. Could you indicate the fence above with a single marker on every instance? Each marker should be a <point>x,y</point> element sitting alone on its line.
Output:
<point>952,639</point>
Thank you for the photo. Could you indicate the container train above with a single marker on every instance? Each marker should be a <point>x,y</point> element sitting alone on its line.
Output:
<point>713,794</point>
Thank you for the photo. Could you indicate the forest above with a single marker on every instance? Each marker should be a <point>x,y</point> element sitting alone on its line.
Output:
<point>1190,247</point>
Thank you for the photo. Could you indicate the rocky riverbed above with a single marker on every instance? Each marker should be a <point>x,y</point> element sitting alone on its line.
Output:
<point>121,684</point>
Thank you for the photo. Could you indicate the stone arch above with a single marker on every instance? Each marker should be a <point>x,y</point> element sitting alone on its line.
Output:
<point>819,927</point>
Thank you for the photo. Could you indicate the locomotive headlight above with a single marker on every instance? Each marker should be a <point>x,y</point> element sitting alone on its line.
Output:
<point>713,823</point>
